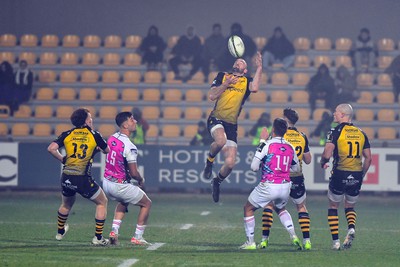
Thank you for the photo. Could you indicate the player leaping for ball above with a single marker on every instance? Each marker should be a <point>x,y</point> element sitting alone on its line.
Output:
<point>230,91</point>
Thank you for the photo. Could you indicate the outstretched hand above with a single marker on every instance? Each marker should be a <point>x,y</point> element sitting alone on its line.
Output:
<point>258,60</point>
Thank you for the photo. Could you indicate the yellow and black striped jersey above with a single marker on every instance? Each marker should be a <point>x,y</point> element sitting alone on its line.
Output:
<point>300,142</point>
<point>349,142</point>
<point>80,147</point>
<point>228,106</point>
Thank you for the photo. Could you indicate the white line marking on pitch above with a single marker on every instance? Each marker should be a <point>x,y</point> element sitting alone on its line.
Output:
<point>186,226</point>
<point>128,263</point>
<point>155,246</point>
<point>204,213</point>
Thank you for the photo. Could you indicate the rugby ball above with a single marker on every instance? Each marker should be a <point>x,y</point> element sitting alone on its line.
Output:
<point>236,46</point>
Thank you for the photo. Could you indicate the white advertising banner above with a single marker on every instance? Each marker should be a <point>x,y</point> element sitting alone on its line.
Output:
<point>8,164</point>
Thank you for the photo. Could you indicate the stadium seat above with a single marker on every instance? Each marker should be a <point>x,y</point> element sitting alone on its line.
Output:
<point>170,78</point>
<point>44,93</point>
<point>171,131</point>
<point>109,94</point>
<point>152,112</point>
<point>28,40</point>
<point>304,130</point>
<point>260,42</point>
<point>387,133</point>
<point>385,44</point>
<point>384,80</point>
<point>3,129</point>
<point>300,79</point>
<point>172,40</point>
<point>190,131</point>
<point>4,111</point>
<point>47,76</point>
<point>132,59</point>
<point>317,113</point>
<point>7,56</point>
<point>172,95</point>
<point>48,58</point>
<point>385,98</point>
<point>112,41</point>
<point>8,40</point>
<point>343,61</point>
<point>259,97</point>
<point>318,60</point>
<point>69,59</point>
<point>50,40</point>
<point>71,41</point>
<point>304,113</point>
<point>279,96</point>
<point>255,113</point>
<point>66,94</point>
<point>343,44</point>
<point>43,112</point>
<point>172,113</point>
<point>108,112</point>
<point>132,77</point>
<point>68,76</point>
<point>107,130</point>
<point>126,108</point>
<point>193,113</point>
<point>111,59</point>
<point>64,112</point>
<point>302,44</point>
<point>24,111</point>
<point>322,44</point>
<point>29,57</point>
<point>365,98</point>
<point>299,97</point>
<point>89,76</point>
<point>197,78</point>
<point>152,132</point>
<point>110,76</point>
<point>384,62</point>
<point>364,115</point>
<point>241,132</point>
<point>90,59</point>
<point>369,131</point>
<point>302,61</point>
<point>151,94</point>
<point>387,115</point>
<point>20,129</point>
<point>280,78</point>
<point>88,94</point>
<point>194,95</point>
<point>130,94</point>
<point>275,113</point>
<point>152,77</point>
<point>42,130</point>
<point>133,41</point>
<point>91,41</point>
<point>61,127</point>
<point>264,79</point>
<point>365,80</point>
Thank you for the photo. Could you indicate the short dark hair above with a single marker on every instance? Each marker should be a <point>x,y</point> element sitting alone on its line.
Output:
<point>291,115</point>
<point>280,127</point>
<point>122,117</point>
<point>79,116</point>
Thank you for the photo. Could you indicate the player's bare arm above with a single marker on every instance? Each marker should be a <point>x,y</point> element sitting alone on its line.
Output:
<point>53,150</point>
<point>135,173</point>
<point>216,91</point>
<point>255,84</point>
<point>327,154</point>
<point>367,160</point>
<point>307,158</point>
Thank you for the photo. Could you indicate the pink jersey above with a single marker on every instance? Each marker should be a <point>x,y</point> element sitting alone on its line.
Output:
<point>276,158</point>
<point>122,152</point>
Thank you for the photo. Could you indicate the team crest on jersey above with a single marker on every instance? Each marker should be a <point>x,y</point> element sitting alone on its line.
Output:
<point>113,143</point>
<point>282,149</point>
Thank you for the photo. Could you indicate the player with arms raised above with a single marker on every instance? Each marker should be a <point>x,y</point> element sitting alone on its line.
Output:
<point>230,91</point>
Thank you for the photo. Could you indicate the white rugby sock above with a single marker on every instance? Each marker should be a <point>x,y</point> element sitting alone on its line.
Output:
<point>249,224</point>
<point>139,231</point>
<point>287,222</point>
<point>115,225</point>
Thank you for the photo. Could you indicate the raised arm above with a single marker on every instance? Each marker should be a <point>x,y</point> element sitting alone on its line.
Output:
<point>216,91</point>
<point>255,84</point>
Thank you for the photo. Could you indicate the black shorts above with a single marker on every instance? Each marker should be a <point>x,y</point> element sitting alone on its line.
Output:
<point>298,188</point>
<point>230,129</point>
<point>81,184</point>
<point>345,182</point>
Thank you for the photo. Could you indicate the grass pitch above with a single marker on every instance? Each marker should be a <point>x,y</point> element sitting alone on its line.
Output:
<point>194,231</point>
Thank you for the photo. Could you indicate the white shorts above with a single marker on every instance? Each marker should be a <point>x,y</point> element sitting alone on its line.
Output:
<point>264,193</point>
<point>124,193</point>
